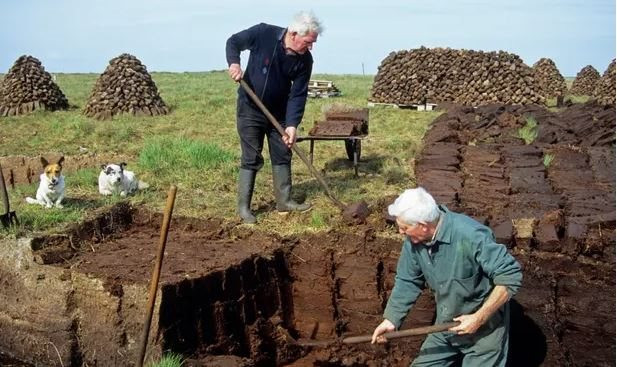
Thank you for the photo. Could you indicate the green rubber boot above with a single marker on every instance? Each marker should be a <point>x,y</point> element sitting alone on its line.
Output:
<point>281,176</point>
<point>246,183</point>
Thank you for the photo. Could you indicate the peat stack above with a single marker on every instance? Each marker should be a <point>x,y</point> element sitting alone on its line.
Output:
<point>28,87</point>
<point>465,77</point>
<point>605,90</point>
<point>585,82</point>
<point>549,79</point>
<point>125,87</point>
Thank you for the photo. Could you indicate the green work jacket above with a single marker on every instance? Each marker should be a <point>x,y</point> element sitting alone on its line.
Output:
<point>461,266</point>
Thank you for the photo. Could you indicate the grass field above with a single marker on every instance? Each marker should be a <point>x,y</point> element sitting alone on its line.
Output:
<point>196,147</point>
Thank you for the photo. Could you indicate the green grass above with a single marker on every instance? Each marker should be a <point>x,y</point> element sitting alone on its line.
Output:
<point>551,103</point>
<point>168,154</point>
<point>529,132</point>
<point>169,360</point>
<point>547,160</point>
<point>196,147</point>
<point>318,220</point>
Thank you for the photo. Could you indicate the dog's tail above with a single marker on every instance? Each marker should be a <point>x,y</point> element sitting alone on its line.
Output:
<point>30,200</point>
<point>142,185</point>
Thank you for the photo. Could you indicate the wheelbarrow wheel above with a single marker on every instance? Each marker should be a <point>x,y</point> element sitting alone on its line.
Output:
<point>351,146</point>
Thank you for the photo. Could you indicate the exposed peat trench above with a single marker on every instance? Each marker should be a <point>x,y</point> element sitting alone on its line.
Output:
<point>239,295</point>
<point>236,297</point>
<point>552,202</point>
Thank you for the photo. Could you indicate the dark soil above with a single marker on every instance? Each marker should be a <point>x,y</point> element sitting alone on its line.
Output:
<point>7,361</point>
<point>235,297</point>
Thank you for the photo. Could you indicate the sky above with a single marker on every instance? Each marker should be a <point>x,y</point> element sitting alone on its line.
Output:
<point>189,35</point>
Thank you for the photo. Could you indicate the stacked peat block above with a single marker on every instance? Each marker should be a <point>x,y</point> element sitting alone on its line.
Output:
<point>438,167</point>
<point>28,87</point>
<point>553,203</point>
<point>125,87</point>
<point>549,79</point>
<point>464,77</point>
<point>585,82</point>
<point>342,120</point>
<point>605,90</point>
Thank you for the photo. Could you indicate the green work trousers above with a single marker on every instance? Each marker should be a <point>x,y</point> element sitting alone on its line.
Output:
<point>480,349</point>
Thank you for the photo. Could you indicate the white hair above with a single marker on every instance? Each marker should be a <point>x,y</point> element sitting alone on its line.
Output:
<point>305,23</point>
<point>413,206</point>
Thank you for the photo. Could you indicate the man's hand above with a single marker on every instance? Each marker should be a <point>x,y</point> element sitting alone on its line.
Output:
<point>384,327</point>
<point>469,324</point>
<point>235,72</point>
<point>290,136</point>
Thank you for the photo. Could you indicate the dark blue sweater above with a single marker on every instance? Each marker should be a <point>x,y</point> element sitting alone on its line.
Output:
<point>279,80</point>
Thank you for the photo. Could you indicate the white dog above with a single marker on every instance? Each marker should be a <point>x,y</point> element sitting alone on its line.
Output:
<point>114,179</point>
<point>51,187</point>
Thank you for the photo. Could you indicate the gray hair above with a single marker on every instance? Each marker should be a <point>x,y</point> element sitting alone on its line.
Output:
<point>413,206</point>
<point>305,23</point>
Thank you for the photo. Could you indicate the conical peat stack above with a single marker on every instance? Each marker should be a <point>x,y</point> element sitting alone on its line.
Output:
<point>28,87</point>
<point>465,77</point>
<point>585,82</point>
<point>605,90</point>
<point>125,87</point>
<point>549,79</point>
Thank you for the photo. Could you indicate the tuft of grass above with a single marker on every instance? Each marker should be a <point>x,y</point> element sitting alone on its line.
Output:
<point>318,219</point>
<point>84,178</point>
<point>169,360</point>
<point>529,132</point>
<point>547,160</point>
<point>395,175</point>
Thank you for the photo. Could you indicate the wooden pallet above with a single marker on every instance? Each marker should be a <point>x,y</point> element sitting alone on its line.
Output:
<point>417,107</point>
<point>322,89</point>
<point>323,94</point>
<point>321,83</point>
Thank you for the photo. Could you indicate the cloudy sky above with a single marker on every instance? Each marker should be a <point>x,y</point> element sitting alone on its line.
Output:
<point>190,35</point>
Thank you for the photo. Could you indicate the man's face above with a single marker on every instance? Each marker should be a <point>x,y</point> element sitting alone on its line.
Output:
<point>417,233</point>
<point>301,44</point>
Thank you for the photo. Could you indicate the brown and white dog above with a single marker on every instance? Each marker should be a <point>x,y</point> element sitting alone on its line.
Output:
<point>51,188</point>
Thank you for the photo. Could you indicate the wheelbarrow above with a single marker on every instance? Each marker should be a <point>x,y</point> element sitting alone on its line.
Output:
<point>9,217</point>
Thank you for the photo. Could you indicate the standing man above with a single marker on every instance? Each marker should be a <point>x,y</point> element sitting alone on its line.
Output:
<point>471,276</point>
<point>278,71</point>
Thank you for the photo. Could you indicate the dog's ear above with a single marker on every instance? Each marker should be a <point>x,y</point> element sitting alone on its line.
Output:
<point>60,161</point>
<point>122,165</point>
<point>44,162</point>
<point>103,167</point>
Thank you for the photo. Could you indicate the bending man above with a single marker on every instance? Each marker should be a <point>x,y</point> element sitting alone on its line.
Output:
<point>471,276</point>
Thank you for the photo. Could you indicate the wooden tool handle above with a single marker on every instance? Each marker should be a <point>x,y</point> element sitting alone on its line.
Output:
<point>154,282</point>
<point>4,193</point>
<point>403,333</point>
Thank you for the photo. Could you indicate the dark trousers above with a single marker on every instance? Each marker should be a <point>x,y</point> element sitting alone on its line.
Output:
<point>252,127</point>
